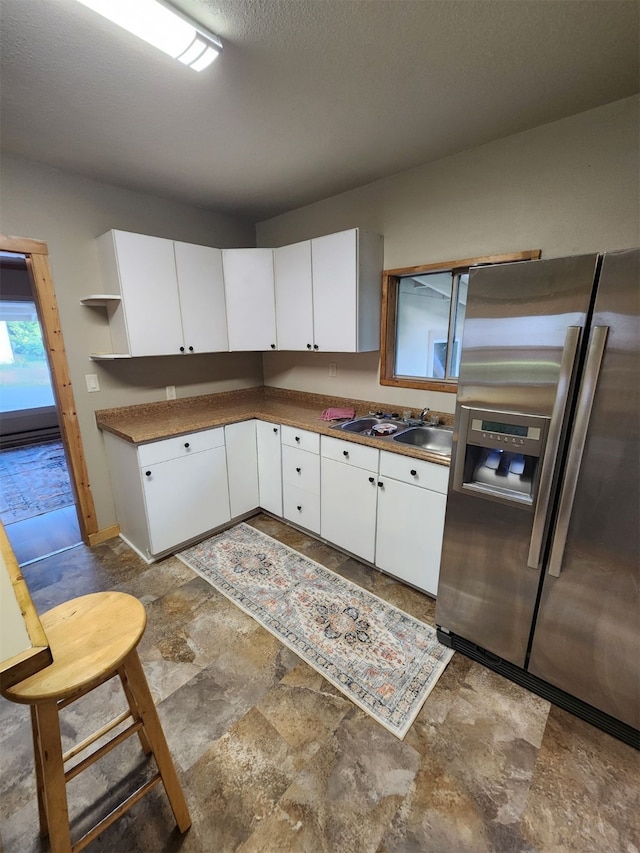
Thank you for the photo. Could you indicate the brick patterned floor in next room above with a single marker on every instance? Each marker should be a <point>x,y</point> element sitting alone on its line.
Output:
<point>273,758</point>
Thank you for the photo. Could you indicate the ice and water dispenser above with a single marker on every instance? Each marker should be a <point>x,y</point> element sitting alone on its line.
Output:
<point>499,455</point>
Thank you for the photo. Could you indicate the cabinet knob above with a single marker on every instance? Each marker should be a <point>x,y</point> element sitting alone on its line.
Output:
<point>147,473</point>
<point>372,479</point>
<point>181,349</point>
<point>308,346</point>
<point>380,483</point>
<point>299,508</point>
<point>273,346</point>
<point>297,438</point>
<point>190,349</point>
<point>275,429</point>
<point>298,470</point>
<point>413,472</point>
<point>186,444</point>
<point>345,453</point>
<point>315,346</point>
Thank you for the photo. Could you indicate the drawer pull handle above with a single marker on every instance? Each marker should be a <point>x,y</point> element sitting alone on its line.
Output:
<point>275,429</point>
<point>380,483</point>
<point>186,444</point>
<point>181,349</point>
<point>298,470</point>
<point>345,453</point>
<point>273,346</point>
<point>190,349</point>
<point>299,508</point>
<point>372,479</point>
<point>308,346</point>
<point>147,473</point>
<point>297,438</point>
<point>413,472</point>
<point>315,346</point>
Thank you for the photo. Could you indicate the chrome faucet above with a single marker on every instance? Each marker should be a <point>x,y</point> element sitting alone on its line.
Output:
<point>434,420</point>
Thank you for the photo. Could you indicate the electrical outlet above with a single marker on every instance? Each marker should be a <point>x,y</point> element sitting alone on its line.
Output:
<point>333,368</point>
<point>171,392</point>
<point>92,382</point>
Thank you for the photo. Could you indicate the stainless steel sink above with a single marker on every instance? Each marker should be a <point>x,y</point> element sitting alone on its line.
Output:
<point>434,439</point>
<point>362,425</point>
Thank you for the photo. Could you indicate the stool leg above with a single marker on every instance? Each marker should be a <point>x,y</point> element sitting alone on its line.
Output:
<point>135,713</point>
<point>55,793</point>
<point>37,762</point>
<point>134,674</point>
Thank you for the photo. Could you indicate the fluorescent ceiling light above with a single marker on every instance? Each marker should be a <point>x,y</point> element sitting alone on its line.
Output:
<point>159,24</point>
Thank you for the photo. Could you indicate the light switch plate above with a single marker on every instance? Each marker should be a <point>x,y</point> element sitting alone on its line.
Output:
<point>333,368</point>
<point>171,392</point>
<point>92,382</point>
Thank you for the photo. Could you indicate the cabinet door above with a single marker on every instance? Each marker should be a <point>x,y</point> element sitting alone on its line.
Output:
<point>269,467</point>
<point>335,281</point>
<point>409,533</point>
<point>242,466</point>
<point>294,300</point>
<point>185,497</point>
<point>149,288</point>
<point>348,498</point>
<point>202,304</point>
<point>250,298</point>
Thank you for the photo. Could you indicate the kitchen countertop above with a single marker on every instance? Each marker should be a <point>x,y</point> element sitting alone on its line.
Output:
<point>155,421</point>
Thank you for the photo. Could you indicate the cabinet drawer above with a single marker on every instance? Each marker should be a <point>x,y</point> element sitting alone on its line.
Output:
<point>301,438</point>
<point>181,445</point>
<point>350,453</point>
<point>417,472</point>
<point>302,508</point>
<point>301,469</point>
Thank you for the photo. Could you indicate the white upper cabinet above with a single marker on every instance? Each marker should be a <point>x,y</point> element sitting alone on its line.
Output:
<point>201,292</point>
<point>250,297</point>
<point>142,270</point>
<point>328,293</point>
<point>172,295</point>
<point>347,285</point>
<point>294,296</point>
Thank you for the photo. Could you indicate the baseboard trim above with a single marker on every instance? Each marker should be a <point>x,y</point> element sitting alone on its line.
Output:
<point>102,535</point>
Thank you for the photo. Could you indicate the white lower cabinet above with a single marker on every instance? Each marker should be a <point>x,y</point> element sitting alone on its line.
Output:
<point>410,521</point>
<point>242,467</point>
<point>169,492</point>
<point>269,467</point>
<point>348,496</point>
<point>301,477</point>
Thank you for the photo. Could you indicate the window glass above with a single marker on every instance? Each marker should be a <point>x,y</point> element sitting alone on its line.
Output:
<point>461,306</point>
<point>424,307</point>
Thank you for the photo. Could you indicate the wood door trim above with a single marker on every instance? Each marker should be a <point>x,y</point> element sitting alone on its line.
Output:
<point>40,274</point>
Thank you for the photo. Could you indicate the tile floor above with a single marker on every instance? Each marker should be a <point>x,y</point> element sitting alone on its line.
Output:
<point>273,758</point>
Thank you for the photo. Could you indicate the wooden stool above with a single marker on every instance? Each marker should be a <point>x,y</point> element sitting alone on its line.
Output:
<point>93,639</point>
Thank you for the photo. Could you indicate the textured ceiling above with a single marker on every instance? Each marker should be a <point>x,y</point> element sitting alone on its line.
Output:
<point>309,97</point>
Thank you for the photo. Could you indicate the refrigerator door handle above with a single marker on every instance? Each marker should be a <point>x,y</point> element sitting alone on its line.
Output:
<point>572,339</point>
<point>576,447</point>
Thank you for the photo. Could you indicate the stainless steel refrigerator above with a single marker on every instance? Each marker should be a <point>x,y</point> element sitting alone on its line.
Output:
<point>540,569</point>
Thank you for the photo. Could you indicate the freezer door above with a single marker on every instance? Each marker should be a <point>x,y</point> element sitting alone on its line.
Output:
<point>522,330</point>
<point>587,635</point>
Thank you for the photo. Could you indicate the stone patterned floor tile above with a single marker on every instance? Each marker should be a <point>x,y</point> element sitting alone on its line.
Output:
<point>274,759</point>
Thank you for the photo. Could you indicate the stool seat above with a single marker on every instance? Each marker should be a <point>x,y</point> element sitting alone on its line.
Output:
<point>93,639</point>
<point>89,638</point>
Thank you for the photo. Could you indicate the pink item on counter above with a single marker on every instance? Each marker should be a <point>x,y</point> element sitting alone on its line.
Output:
<point>337,414</point>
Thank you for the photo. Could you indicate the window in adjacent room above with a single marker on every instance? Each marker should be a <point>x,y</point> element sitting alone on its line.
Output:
<point>423,310</point>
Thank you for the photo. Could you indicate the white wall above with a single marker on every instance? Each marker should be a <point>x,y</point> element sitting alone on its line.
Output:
<point>68,212</point>
<point>565,188</point>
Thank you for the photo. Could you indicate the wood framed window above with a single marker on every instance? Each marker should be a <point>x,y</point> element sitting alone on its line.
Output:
<point>423,312</point>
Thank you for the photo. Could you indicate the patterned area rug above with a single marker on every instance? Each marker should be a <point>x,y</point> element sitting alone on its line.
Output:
<point>381,658</point>
<point>33,480</point>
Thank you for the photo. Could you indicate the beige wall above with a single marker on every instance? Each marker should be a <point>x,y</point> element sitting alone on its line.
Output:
<point>565,188</point>
<point>68,213</point>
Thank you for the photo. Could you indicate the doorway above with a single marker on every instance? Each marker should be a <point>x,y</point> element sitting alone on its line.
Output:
<point>37,506</point>
<point>34,255</point>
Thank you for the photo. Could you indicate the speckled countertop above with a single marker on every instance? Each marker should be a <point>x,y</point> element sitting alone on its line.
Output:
<point>155,421</point>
